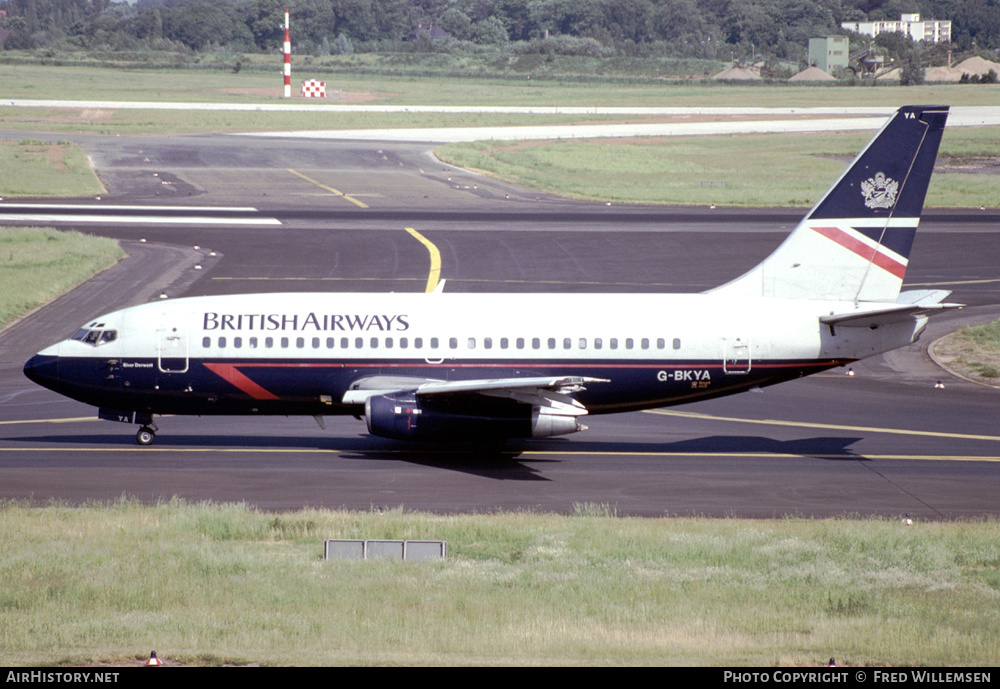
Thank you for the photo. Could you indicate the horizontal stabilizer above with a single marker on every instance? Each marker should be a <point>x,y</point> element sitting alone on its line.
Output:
<point>909,304</point>
<point>924,297</point>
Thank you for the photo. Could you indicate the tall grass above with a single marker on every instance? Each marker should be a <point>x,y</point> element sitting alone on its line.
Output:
<point>39,264</point>
<point>208,583</point>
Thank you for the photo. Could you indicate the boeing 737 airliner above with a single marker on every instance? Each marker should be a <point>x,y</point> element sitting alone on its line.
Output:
<point>489,367</point>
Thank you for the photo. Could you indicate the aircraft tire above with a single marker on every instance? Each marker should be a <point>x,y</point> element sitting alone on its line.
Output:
<point>145,436</point>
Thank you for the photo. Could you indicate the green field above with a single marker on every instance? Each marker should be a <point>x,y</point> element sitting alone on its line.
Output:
<point>69,82</point>
<point>39,264</point>
<point>36,167</point>
<point>772,169</point>
<point>213,584</point>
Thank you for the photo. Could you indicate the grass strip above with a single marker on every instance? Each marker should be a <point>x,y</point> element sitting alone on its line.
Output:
<point>32,167</point>
<point>38,264</point>
<point>207,84</point>
<point>972,352</point>
<point>743,170</point>
<point>212,584</point>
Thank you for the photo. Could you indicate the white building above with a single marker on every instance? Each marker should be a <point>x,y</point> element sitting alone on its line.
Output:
<point>930,30</point>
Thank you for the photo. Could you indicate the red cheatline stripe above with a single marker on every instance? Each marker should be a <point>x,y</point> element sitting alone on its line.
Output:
<point>866,252</point>
<point>229,373</point>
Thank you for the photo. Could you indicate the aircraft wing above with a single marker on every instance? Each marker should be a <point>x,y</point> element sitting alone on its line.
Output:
<point>543,391</point>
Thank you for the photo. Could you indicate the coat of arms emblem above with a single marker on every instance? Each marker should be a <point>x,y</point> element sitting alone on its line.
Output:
<point>880,191</point>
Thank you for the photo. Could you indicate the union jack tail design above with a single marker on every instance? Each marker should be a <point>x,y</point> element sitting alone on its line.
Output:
<point>855,243</point>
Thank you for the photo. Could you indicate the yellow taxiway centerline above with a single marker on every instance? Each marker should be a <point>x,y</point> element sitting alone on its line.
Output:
<point>330,189</point>
<point>824,426</point>
<point>73,420</point>
<point>435,273</point>
<point>526,455</point>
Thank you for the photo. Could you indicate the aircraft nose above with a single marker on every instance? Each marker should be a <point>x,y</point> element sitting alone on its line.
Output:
<point>42,369</point>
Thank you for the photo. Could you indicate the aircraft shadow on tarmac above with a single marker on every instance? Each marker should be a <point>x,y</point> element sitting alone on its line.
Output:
<point>501,464</point>
<point>508,463</point>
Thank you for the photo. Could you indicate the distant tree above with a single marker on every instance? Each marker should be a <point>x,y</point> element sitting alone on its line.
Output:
<point>569,17</point>
<point>489,31</point>
<point>895,44</point>
<point>343,45</point>
<point>198,25</point>
<point>629,20</point>
<point>750,22</point>
<point>911,73</point>
<point>456,23</point>
<point>265,20</point>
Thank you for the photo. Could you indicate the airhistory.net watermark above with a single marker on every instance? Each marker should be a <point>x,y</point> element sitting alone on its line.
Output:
<point>45,676</point>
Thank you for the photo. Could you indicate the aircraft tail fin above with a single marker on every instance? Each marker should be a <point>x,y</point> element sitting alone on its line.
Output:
<point>854,244</point>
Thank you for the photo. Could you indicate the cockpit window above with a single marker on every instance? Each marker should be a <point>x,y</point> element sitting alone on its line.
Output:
<point>95,337</point>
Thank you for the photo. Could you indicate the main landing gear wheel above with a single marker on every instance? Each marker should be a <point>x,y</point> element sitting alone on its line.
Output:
<point>145,436</point>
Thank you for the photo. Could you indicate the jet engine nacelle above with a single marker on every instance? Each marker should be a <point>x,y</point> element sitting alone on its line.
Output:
<point>404,417</point>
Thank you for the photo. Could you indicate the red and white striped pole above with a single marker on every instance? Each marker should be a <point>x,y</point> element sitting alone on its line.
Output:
<point>288,60</point>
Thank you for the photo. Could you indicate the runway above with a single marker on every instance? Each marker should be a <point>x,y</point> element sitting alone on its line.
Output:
<point>884,441</point>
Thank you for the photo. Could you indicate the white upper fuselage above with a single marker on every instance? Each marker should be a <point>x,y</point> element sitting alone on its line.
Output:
<point>456,327</point>
<point>449,336</point>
